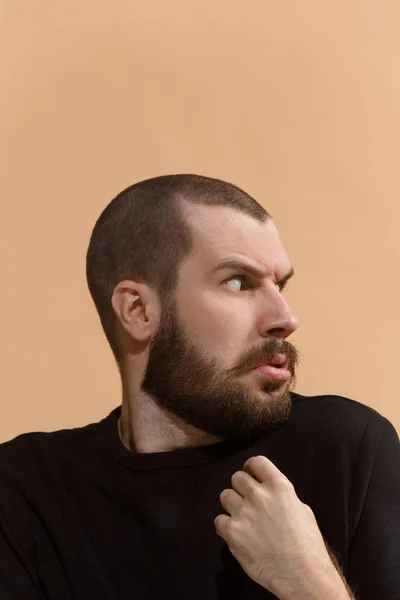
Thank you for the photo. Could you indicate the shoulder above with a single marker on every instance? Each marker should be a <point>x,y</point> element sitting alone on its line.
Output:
<point>22,456</point>
<point>341,419</point>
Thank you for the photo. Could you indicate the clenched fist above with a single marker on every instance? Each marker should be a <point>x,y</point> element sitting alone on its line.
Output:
<point>271,533</point>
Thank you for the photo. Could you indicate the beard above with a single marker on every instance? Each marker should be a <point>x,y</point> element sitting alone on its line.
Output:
<point>191,385</point>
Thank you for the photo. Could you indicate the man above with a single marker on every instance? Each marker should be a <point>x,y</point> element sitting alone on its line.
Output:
<point>213,479</point>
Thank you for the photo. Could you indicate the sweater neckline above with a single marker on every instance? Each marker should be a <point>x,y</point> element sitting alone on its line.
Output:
<point>168,459</point>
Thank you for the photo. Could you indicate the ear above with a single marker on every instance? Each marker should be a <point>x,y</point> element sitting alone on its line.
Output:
<point>136,307</point>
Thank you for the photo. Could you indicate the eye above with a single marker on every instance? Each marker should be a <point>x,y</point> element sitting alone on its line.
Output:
<point>238,278</point>
<point>242,278</point>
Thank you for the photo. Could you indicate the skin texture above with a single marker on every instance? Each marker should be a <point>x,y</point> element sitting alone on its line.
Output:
<point>187,378</point>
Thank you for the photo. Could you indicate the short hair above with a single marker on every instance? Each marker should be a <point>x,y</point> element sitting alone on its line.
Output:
<point>143,233</point>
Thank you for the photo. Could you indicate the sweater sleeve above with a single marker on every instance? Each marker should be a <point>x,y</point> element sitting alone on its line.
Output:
<point>374,552</point>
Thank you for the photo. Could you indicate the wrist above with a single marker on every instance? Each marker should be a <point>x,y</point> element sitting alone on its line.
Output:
<point>328,586</point>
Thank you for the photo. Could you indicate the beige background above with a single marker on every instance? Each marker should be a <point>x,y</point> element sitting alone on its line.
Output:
<point>297,102</point>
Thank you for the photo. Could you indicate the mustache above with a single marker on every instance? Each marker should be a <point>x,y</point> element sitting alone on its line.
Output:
<point>268,352</point>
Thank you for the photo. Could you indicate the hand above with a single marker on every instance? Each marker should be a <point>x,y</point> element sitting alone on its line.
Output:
<point>271,533</point>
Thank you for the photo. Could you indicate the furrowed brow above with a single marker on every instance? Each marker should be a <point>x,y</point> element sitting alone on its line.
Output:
<point>288,276</point>
<point>234,264</point>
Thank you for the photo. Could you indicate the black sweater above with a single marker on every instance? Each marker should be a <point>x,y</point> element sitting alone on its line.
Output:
<point>82,517</point>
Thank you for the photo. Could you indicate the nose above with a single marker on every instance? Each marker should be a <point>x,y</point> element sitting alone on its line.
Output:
<point>284,327</point>
<point>281,321</point>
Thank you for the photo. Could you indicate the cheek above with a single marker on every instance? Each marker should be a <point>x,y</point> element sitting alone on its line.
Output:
<point>217,323</point>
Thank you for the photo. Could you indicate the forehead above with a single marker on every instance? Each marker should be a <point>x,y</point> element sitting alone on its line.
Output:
<point>219,231</point>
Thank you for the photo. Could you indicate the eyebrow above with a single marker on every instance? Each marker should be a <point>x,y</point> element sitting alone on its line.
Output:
<point>236,264</point>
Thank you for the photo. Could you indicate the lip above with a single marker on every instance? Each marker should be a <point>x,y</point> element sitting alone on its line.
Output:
<point>274,373</point>
<point>280,361</point>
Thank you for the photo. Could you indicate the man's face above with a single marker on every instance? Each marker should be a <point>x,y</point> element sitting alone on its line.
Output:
<point>218,326</point>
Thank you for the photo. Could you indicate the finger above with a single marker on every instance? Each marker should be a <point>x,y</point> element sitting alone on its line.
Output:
<point>243,483</point>
<point>264,470</point>
<point>220,523</point>
<point>251,470</point>
<point>231,501</point>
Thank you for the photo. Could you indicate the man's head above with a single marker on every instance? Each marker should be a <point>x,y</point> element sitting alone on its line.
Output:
<point>197,327</point>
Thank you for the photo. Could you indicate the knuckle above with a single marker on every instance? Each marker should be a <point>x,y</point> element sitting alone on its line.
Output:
<point>254,492</point>
<point>231,528</point>
<point>224,494</point>
<point>236,476</point>
<point>283,484</point>
<point>309,510</point>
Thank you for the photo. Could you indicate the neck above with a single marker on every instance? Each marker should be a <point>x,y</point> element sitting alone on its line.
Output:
<point>145,427</point>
